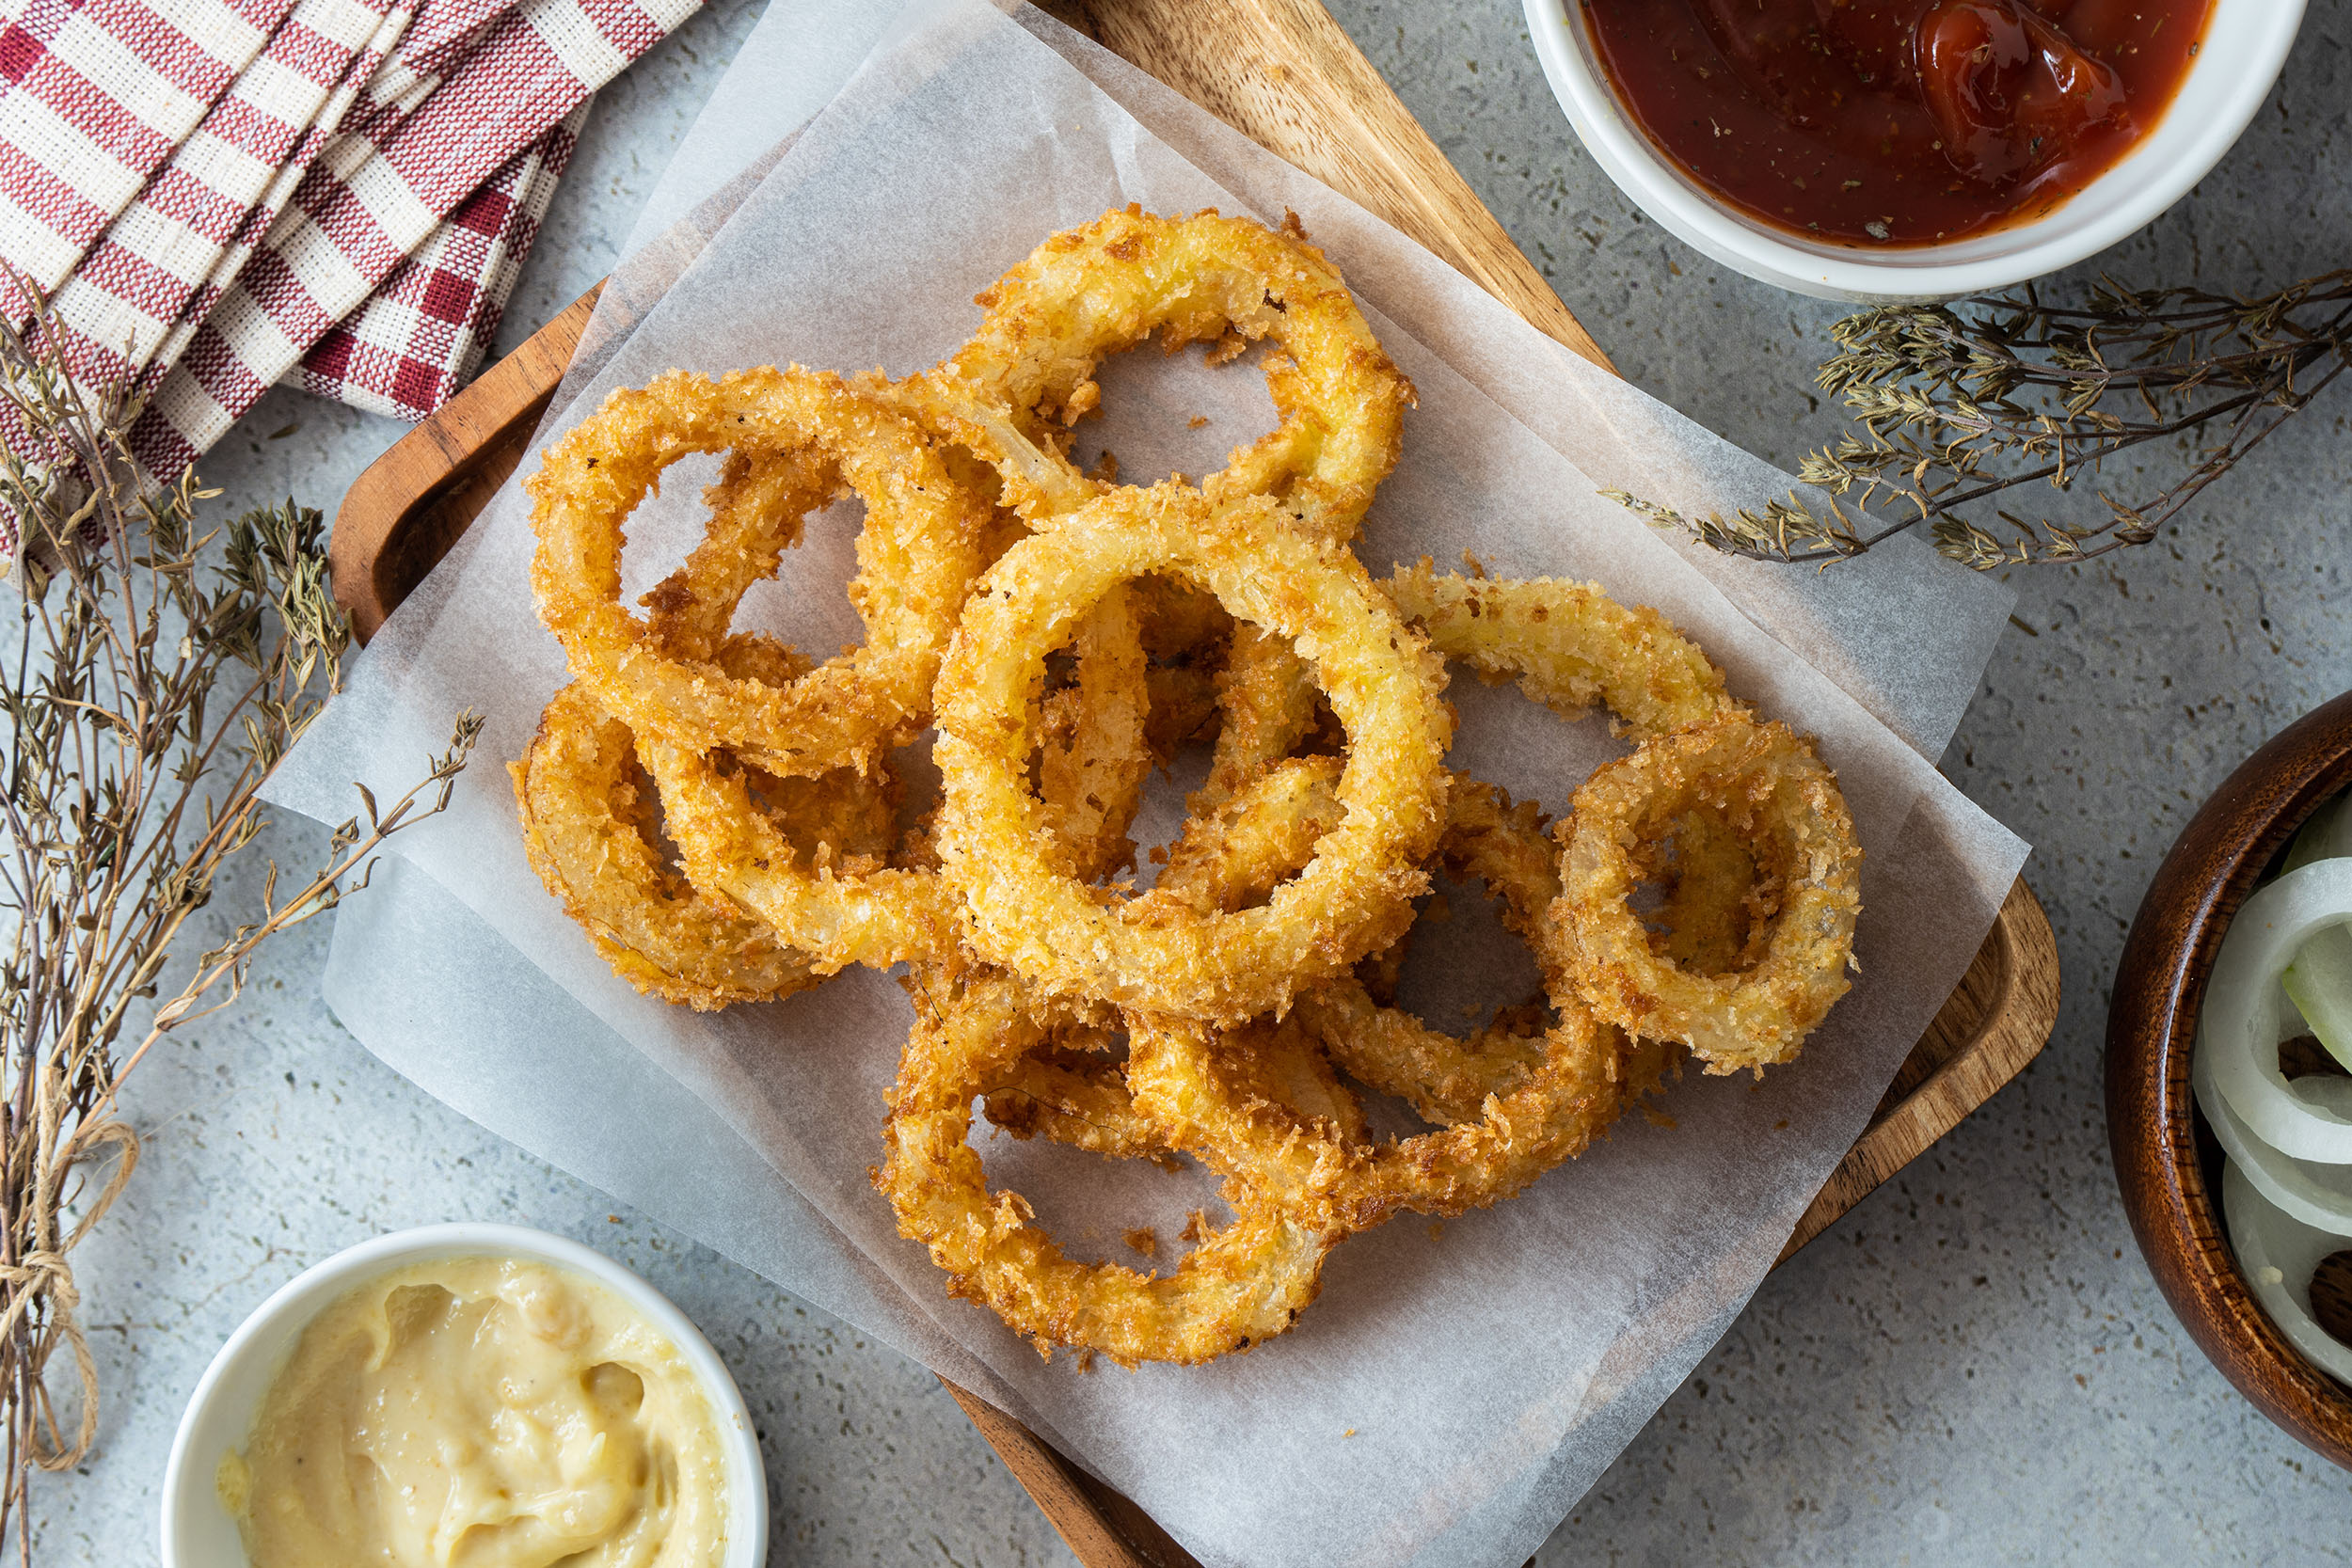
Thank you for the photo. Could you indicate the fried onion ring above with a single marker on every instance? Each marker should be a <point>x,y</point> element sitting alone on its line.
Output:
<point>1097,751</point>
<point>1155,951</point>
<point>1080,1097</point>
<point>1266,704</point>
<point>918,553</point>
<point>587,829</point>
<point>1444,1078</point>
<point>1768,785</point>
<point>1567,643</point>
<point>1509,1108</point>
<point>758,509</point>
<point>1241,1286</point>
<point>1092,292</point>
<point>838,909</point>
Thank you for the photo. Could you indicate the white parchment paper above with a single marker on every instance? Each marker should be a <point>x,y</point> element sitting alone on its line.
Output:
<point>1458,1388</point>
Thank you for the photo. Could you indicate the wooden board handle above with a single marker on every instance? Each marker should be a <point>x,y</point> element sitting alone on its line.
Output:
<point>401,516</point>
<point>1287,76</point>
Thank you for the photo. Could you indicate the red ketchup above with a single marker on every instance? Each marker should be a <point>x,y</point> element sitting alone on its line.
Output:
<point>1896,122</point>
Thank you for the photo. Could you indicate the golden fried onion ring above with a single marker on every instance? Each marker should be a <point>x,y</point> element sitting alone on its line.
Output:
<point>1241,1285</point>
<point>1092,292</point>
<point>1509,1108</point>
<point>587,831</point>
<point>1155,951</point>
<point>840,910</point>
<point>1096,751</point>
<point>918,555</point>
<point>1769,787</point>
<point>837,910</point>
<point>757,508</point>
<point>1444,1078</point>
<point>1567,643</point>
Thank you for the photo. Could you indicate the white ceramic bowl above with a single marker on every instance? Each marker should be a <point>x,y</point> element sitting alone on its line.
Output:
<point>198,1533</point>
<point>2244,46</point>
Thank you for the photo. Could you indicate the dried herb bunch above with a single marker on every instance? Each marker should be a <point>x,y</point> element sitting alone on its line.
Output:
<point>1957,409</point>
<point>155,676</point>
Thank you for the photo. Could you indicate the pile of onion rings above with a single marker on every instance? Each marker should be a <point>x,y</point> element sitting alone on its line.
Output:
<point>722,812</point>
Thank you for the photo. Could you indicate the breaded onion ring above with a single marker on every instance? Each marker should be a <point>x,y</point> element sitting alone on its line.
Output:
<point>1155,951</point>
<point>1080,1097</point>
<point>757,508</point>
<point>841,909</point>
<point>1266,706</point>
<point>1241,1285</point>
<point>1509,1108</point>
<point>1096,753</point>
<point>587,829</point>
<point>1768,785</point>
<point>1567,643</point>
<point>1092,292</point>
<point>1444,1078</point>
<point>837,910</point>
<point>918,555</point>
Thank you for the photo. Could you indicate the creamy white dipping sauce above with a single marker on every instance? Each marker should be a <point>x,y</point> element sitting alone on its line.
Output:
<point>481,1413</point>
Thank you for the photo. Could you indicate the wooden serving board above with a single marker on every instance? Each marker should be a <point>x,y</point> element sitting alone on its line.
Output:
<point>1282,73</point>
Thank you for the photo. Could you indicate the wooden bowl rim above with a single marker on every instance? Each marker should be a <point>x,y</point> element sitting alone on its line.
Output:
<point>2152,1028</point>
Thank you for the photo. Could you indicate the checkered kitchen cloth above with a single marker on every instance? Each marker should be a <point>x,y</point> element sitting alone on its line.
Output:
<point>219,194</point>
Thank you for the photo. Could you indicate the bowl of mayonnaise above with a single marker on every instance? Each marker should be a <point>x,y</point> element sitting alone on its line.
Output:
<point>476,1393</point>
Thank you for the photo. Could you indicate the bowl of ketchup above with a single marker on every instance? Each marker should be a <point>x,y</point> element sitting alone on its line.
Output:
<point>1893,150</point>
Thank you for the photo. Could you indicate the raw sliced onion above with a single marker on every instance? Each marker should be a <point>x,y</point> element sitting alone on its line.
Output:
<point>2317,1194</point>
<point>2240,1027</point>
<point>2326,836</point>
<point>2278,1254</point>
<point>2318,980</point>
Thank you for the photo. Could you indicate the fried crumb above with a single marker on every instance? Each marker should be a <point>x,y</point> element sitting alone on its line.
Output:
<point>1196,421</point>
<point>1349,1432</point>
<point>1106,469</point>
<point>1086,1359</point>
<point>1196,1227</point>
<point>1472,565</point>
<point>1658,1118</point>
<point>1144,1240</point>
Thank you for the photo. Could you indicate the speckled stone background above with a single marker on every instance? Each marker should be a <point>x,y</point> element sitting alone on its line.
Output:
<point>1972,1367</point>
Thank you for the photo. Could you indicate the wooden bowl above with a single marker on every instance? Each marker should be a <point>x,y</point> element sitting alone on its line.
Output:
<point>2165,1157</point>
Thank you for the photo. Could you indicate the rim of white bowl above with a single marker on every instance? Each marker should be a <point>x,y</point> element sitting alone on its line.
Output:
<point>319,1286</point>
<point>2228,83</point>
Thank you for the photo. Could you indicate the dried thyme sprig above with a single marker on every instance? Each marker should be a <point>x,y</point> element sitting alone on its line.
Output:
<point>1957,407</point>
<point>155,675</point>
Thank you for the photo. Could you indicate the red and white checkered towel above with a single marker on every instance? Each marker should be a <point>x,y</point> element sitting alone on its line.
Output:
<point>219,194</point>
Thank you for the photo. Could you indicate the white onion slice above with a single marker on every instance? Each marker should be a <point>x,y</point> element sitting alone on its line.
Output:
<point>2317,1194</point>
<point>2270,1244</point>
<point>2239,1029</point>
<point>2318,980</point>
<point>2326,836</point>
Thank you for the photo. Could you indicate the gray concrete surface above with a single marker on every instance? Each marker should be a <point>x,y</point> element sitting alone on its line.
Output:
<point>1972,1367</point>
